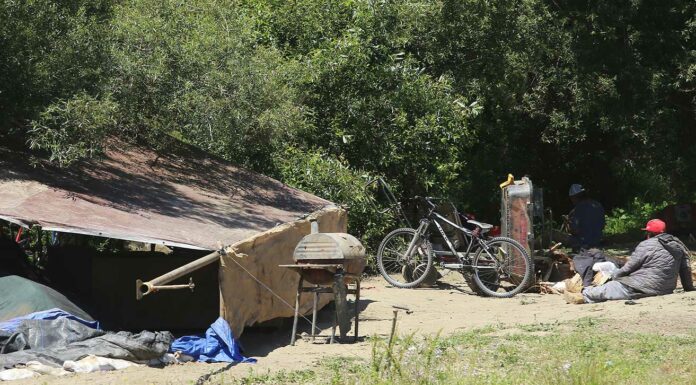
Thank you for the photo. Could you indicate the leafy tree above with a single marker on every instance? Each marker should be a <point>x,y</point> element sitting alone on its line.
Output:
<point>373,102</point>
<point>51,50</point>
<point>335,180</point>
<point>440,97</point>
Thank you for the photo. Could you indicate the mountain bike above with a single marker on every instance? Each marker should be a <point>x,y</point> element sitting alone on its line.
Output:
<point>493,266</point>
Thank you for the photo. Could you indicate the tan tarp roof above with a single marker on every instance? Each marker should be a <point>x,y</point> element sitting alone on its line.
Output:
<point>179,198</point>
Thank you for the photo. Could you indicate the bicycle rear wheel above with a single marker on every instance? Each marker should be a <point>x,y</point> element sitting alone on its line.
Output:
<point>401,270</point>
<point>503,268</point>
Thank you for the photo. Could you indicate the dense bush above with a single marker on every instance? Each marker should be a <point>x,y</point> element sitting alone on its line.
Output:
<point>632,218</point>
<point>331,178</point>
<point>50,50</point>
<point>440,97</point>
<point>73,129</point>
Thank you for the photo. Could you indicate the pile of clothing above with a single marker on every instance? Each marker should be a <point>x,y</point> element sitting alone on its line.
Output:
<point>55,342</point>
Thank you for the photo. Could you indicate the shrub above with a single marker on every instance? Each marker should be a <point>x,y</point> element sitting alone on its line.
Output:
<point>332,179</point>
<point>624,220</point>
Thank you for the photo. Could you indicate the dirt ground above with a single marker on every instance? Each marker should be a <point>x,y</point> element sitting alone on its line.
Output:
<point>451,307</point>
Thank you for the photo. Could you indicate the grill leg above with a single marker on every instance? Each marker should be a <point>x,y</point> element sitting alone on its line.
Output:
<point>314,313</point>
<point>297,312</point>
<point>340,291</point>
<point>357,308</point>
<point>333,329</point>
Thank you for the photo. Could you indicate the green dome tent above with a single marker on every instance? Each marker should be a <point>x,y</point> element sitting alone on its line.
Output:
<point>21,296</point>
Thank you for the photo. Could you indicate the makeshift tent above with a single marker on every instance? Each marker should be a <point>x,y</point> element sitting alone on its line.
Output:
<point>180,198</point>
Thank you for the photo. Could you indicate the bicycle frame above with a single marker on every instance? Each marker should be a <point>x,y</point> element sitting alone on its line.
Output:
<point>435,218</point>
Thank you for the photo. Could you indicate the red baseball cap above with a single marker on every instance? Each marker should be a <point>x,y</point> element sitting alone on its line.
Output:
<point>655,226</point>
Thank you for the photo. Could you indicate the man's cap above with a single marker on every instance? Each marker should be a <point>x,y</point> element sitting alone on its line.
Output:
<point>575,189</point>
<point>655,226</point>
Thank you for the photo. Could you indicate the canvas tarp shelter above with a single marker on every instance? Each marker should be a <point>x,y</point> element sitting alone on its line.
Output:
<point>181,198</point>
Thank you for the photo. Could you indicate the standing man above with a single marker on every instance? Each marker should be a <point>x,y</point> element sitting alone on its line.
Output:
<point>652,270</point>
<point>586,220</point>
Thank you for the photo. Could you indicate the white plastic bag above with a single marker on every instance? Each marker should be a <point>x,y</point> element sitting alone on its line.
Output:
<point>95,364</point>
<point>606,268</point>
<point>16,374</point>
<point>40,368</point>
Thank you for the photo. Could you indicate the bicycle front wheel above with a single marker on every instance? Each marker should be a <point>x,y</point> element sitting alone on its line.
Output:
<point>502,268</point>
<point>400,269</point>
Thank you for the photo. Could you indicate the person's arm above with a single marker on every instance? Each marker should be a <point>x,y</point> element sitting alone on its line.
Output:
<point>634,262</point>
<point>685,274</point>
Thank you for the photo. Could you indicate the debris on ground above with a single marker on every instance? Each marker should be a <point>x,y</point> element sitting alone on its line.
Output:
<point>58,343</point>
<point>216,345</point>
<point>55,342</point>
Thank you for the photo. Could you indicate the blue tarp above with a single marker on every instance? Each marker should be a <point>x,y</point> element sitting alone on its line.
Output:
<point>217,345</point>
<point>51,314</point>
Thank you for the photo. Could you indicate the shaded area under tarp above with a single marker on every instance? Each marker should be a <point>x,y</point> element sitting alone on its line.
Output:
<point>12,260</point>
<point>103,284</point>
<point>21,296</point>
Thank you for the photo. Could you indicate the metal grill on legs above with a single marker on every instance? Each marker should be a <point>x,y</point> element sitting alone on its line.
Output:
<point>330,263</point>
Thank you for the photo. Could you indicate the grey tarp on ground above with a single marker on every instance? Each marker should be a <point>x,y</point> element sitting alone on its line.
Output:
<point>53,342</point>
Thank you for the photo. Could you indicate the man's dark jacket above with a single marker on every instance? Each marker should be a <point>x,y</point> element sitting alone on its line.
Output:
<point>654,266</point>
<point>586,224</point>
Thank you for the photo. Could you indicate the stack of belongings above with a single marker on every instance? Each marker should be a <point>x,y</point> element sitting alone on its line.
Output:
<point>59,342</point>
<point>599,274</point>
<point>575,285</point>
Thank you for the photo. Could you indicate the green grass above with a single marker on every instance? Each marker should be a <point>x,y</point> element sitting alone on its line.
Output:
<point>582,353</point>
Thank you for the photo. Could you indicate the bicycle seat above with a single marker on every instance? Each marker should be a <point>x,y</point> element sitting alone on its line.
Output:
<point>483,226</point>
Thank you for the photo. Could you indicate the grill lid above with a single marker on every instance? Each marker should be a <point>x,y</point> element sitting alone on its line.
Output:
<point>328,246</point>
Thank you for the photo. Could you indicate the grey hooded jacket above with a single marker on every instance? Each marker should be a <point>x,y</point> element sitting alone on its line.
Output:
<point>654,266</point>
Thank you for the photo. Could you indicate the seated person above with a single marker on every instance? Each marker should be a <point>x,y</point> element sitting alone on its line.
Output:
<point>585,221</point>
<point>652,270</point>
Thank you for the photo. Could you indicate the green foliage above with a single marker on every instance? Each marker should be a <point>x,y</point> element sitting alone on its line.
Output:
<point>280,378</point>
<point>375,105</point>
<point>50,50</point>
<point>632,218</point>
<point>331,178</point>
<point>73,129</point>
<point>439,97</point>
<point>193,70</point>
